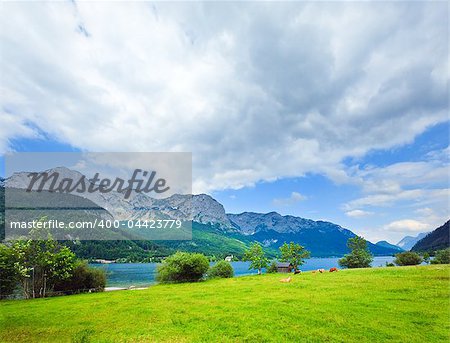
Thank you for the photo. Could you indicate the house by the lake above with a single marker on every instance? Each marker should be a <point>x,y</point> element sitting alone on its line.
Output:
<point>103,261</point>
<point>284,267</point>
<point>229,258</point>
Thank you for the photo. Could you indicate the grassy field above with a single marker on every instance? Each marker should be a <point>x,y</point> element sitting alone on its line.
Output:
<point>408,304</point>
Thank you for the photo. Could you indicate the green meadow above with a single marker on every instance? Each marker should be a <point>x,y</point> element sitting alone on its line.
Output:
<point>404,304</point>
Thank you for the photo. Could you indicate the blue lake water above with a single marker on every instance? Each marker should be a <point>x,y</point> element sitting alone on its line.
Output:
<point>143,274</point>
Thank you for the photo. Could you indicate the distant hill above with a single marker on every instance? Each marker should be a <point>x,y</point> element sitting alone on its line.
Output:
<point>435,240</point>
<point>408,242</point>
<point>389,245</point>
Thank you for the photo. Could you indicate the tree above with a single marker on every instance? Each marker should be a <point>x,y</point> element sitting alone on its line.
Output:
<point>407,258</point>
<point>8,275</point>
<point>40,264</point>
<point>442,257</point>
<point>182,267</point>
<point>255,254</point>
<point>294,254</point>
<point>359,257</point>
<point>221,269</point>
<point>426,257</point>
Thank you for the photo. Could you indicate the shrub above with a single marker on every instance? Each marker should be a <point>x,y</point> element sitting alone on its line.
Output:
<point>408,258</point>
<point>442,257</point>
<point>272,268</point>
<point>182,267</point>
<point>221,269</point>
<point>83,279</point>
<point>390,264</point>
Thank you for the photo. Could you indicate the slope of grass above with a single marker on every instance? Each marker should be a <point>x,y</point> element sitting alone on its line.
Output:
<point>408,304</point>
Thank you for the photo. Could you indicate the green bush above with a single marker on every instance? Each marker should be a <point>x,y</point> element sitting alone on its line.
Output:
<point>83,279</point>
<point>182,267</point>
<point>272,268</point>
<point>390,264</point>
<point>221,269</point>
<point>442,257</point>
<point>408,258</point>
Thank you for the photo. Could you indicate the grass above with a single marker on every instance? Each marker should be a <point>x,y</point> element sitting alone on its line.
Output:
<point>407,304</point>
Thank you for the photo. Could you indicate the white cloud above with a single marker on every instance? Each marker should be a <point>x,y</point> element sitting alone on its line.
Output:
<point>415,190</point>
<point>257,91</point>
<point>358,213</point>
<point>433,217</point>
<point>419,183</point>
<point>407,225</point>
<point>294,198</point>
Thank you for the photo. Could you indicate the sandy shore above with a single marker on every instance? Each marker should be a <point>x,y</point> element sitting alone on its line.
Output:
<point>131,288</point>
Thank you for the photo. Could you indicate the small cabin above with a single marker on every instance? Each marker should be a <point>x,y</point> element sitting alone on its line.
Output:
<point>284,267</point>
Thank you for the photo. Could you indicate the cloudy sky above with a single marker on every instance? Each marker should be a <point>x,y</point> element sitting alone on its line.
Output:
<point>326,110</point>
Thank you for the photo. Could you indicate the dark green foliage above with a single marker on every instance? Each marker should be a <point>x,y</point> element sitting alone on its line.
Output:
<point>442,257</point>
<point>83,279</point>
<point>272,268</point>
<point>408,258</point>
<point>206,239</point>
<point>359,257</point>
<point>125,250</point>
<point>8,274</point>
<point>390,264</point>
<point>221,269</point>
<point>255,254</point>
<point>294,254</point>
<point>183,267</point>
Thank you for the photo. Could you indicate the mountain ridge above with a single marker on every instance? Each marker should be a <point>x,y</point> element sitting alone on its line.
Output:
<point>408,242</point>
<point>436,240</point>
<point>271,229</point>
<point>386,244</point>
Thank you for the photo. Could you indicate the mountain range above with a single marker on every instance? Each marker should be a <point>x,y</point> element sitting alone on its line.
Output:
<point>408,242</point>
<point>214,231</point>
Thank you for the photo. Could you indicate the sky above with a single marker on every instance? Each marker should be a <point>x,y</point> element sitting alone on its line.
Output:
<point>335,111</point>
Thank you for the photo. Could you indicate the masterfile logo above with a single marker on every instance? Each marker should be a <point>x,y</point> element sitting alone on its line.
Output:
<point>98,196</point>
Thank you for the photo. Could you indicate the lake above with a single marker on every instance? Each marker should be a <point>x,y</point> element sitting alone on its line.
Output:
<point>143,274</point>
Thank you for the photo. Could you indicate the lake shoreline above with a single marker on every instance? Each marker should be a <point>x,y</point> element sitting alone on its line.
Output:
<point>125,275</point>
